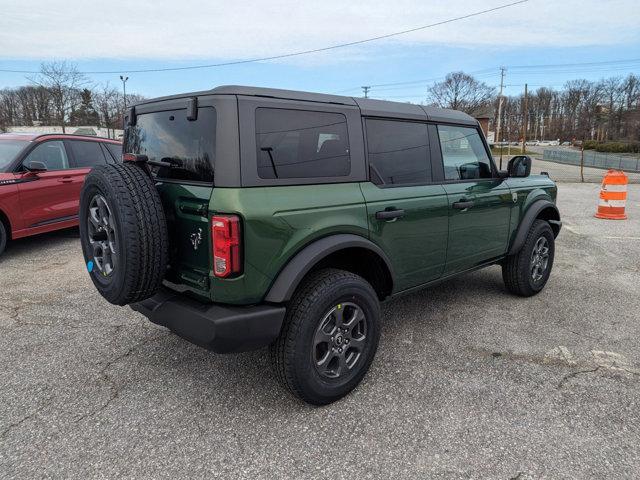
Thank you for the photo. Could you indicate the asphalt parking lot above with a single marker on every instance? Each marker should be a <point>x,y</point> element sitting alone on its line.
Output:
<point>469,382</point>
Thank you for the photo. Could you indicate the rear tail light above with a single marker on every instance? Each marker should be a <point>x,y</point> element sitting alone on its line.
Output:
<point>225,234</point>
<point>134,157</point>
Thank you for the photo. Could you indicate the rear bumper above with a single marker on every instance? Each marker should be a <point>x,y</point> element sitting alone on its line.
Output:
<point>221,328</point>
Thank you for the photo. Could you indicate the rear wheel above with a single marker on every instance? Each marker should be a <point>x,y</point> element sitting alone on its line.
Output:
<point>3,237</point>
<point>123,233</point>
<point>329,337</point>
<point>526,273</point>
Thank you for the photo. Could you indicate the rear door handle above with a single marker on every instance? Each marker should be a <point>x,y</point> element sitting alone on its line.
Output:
<point>65,179</point>
<point>463,204</point>
<point>390,213</point>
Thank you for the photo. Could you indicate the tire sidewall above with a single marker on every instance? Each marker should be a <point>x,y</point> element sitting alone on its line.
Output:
<point>3,237</point>
<point>110,286</point>
<point>312,382</point>
<point>540,229</point>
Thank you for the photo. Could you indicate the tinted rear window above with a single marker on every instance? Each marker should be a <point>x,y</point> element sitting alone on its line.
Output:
<point>301,144</point>
<point>115,150</point>
<point>169,137</point>
<point>398,152</point>
<point>87,154</point>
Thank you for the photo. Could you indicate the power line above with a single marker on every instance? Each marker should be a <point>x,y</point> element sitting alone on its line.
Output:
<point>590,67</point>
<point>486,70</point>
<point>483,76</point>
<point>295,54</point>
<point>578,70</point>
<point>402,85</point>
<point>608,62</point>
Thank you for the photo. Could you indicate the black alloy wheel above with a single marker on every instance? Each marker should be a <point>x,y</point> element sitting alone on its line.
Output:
<point>102,235</point>
<point>339,340</point>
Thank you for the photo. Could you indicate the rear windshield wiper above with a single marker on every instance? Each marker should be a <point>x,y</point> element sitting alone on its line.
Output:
<point>166,162</point>
<point>269,150</point>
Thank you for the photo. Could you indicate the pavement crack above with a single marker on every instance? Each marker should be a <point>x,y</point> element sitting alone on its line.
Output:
<point>26,418</point>
<point>571,375</point>
<point>116,389</point>
<point>13,311</point>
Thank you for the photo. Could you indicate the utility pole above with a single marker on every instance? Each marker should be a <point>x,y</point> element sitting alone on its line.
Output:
<point>502,70</point>
<point>525,117</point>
<point>366,91</point>
<point>124,91</point>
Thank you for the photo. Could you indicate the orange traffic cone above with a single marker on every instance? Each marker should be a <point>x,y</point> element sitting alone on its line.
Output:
<point>613,196</point>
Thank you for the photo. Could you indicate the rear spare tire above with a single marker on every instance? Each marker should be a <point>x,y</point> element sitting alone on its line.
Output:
<point>123,232</point>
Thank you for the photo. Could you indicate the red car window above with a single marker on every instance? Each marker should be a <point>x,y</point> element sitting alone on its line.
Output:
<point>115,150</point>
<point>86,154</point>
<point>51,153</point>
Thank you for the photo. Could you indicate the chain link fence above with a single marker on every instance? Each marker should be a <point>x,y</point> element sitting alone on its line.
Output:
<point>569,165</point>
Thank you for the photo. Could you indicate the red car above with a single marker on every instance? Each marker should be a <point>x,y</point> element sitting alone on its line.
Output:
<point>41,177</point>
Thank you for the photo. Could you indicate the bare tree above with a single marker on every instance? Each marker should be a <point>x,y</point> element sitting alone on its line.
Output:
<point>461,92</point>
<point>8,108</point>
<point>612,97</point>
<point>582,109</point>
<point>109,106</point>
<point>631,92</point>
<point>63,81</point>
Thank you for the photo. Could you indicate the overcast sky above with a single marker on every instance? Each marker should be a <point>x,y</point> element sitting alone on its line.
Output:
<point>127,35</point>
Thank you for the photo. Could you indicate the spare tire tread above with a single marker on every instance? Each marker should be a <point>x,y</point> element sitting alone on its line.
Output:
<point>143,231</point>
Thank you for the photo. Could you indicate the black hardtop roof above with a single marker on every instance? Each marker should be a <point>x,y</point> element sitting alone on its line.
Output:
<point>368,106</point>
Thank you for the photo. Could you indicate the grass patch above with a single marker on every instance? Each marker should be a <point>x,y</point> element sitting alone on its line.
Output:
<point>512,151</point>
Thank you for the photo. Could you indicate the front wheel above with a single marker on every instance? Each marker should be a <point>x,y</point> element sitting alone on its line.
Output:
<point>329,337</point>
<point>526,273</point>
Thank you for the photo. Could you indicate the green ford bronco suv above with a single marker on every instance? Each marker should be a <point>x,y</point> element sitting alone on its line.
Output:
<point>245,217</point>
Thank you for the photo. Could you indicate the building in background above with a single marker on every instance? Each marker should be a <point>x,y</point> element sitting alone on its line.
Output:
<point>483,120</point>
<point>89,130</point>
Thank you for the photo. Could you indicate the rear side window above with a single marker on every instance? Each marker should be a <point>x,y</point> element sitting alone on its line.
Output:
<point>114,150</point>
<point>86,154</point>
<point>52,154</point>
<point>301,144</point>
<point>188,146</point>
<point>398,152</point>
<point>463,153</point>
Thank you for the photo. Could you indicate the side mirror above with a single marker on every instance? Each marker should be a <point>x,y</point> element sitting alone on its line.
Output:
<point>519,166</point>
<point>35,167</point>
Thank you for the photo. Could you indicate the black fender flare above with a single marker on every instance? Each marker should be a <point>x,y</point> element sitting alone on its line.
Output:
<point>527,220</point>
<point>302,262</point>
